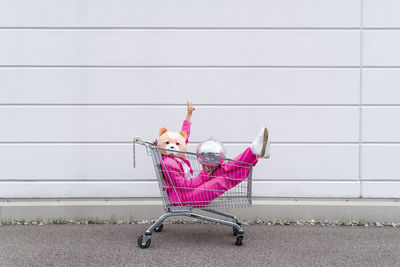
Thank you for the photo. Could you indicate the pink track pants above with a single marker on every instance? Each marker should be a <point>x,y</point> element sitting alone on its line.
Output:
<point>202,189</point>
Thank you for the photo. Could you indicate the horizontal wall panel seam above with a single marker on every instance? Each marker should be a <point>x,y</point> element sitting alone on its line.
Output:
<point>194,142</point>
<point>181,105</point>
<point>382,28</point>
<point>230,142</point>
<point>198,105</point>
<point>67,67</point>
<point>292,13</point>
<point>180,47</point>
<point>380,67</point>
<point>101,119</point>
<point>153,180</point>
<point>114,161</point>
<point>191,142</point>
<point>382,106</point>
<point>190,66</point>
<point>180,28</point>
<point>187,28</point>
<point>64,86</point>
<point>167,106</point>
<point>146,189</point>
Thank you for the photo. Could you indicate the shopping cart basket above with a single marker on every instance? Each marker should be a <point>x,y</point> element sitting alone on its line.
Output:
<point>184,200</point>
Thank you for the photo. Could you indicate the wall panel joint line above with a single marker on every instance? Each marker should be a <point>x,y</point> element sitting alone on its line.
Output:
<point>360,100</point>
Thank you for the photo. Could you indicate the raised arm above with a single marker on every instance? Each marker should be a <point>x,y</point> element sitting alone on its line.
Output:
<point>187,123</point>
<point>186,127</point>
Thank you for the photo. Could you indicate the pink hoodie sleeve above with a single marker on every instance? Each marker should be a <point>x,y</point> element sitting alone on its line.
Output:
<point>186,127</point>
<point>177,178</point>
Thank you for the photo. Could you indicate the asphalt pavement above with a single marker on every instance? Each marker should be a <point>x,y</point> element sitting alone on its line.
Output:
<point>198,245</point>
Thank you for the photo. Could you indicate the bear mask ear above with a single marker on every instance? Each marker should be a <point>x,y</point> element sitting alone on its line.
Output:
<point>183,133</point>
<point>161,131</point>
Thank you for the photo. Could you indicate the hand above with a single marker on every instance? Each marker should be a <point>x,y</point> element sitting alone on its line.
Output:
<point>190,108</point>
<point>189,111</point>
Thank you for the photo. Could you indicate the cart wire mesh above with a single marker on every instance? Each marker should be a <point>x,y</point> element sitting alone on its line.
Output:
<point>227,184</point>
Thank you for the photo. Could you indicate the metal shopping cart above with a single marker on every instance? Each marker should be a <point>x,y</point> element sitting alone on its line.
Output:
<point>182,205</point>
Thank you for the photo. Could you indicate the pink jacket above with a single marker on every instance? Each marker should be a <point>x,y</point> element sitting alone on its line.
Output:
<point>177,185</point>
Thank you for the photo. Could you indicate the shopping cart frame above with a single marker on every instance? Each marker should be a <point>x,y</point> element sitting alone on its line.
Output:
<point>170,210</point>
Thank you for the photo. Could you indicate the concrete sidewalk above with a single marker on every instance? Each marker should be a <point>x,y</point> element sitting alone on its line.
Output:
<point>198,245</point>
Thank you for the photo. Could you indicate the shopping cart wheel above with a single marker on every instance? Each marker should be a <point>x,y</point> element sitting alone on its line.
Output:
<point>141,244</point>
<point>239,240</point>
<point>159,228</point>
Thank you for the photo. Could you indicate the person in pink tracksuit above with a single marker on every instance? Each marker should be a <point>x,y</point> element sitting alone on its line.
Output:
<point>207,185</point>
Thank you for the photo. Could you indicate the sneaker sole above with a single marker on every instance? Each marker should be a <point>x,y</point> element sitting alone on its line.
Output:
<point>265,140</point>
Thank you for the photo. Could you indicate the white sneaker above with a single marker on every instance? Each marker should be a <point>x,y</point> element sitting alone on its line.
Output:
<point>260,145</point>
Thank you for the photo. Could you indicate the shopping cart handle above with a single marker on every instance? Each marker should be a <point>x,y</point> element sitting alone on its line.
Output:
<point>138,140</point>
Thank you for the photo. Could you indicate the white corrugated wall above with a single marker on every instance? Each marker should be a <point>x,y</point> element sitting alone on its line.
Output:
<point>79,79</point>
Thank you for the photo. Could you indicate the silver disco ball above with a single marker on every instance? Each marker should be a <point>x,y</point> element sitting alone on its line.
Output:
<point>210,153</point>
